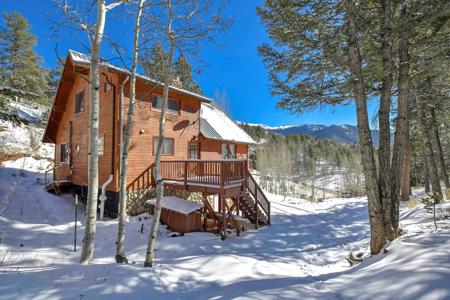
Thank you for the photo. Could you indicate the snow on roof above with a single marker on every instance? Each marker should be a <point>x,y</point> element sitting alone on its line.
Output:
<point>216,125</point>
<point>83,59</point>
<point>177,204</point>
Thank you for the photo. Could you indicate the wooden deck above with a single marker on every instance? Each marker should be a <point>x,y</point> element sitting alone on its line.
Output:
<point>211,176</point>
<point>56,184</point>
<point>228,179</point>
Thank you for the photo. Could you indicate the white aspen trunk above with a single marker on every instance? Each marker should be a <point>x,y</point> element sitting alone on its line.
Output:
<point>87,250</point>
<point>162,121</point>
<point>120,248</point>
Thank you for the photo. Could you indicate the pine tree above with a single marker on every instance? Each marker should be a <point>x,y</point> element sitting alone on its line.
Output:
<point>328,52</point>
<point>19,63</point>
<point>153,61</point>
<point>183,69</point>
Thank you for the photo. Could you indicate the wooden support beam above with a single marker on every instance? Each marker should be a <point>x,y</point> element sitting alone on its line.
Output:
<point>222,208</point>
<point>205,217</point>
<point>238,198</point>
<point>231,217</point>
<point>67,80</point>
<point>256,209</point>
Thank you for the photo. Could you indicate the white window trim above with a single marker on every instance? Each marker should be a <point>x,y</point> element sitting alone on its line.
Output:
<point>103,150</point>
<point>163,154</point>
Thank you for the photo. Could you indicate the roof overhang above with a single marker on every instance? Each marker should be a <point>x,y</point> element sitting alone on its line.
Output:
<point>80,59</point>
<point>77,62</point>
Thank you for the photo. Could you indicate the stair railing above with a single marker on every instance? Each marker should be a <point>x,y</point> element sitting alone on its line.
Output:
<point>144,180</point>
<point>261,200</point>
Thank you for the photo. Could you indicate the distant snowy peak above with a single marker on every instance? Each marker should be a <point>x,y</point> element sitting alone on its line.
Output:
<point>344,133</point>
<point>284,127</point>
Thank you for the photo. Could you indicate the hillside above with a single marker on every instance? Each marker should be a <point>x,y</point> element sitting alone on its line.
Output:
<point>22,124</point>
<point>347,134</point>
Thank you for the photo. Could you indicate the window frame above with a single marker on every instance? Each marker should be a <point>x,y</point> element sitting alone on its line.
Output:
<point>101,136</point>
<point>82,102</point>
<point>228,145</point>
<point>154,108</point>
<point>189,150</point>
<point>164,154</point>
<point>66,155</point>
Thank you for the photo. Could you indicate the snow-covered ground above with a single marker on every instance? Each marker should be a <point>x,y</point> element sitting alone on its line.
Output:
<point>19,139</point>
<point>300,256</point>
<point>23,140</point>
<point>32,114</point>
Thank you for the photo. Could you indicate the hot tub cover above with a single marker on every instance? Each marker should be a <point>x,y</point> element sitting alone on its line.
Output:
<point>177,204</point>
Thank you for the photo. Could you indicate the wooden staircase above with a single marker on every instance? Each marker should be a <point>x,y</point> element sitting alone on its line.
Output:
<point>247,206</point>
<point>253,203</point>
<point>248,199</point>
<point>55,185</point>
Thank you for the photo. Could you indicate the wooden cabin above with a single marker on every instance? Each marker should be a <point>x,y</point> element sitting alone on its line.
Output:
<point>205,151</point>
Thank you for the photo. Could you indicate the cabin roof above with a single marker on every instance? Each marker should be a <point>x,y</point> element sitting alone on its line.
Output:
<point>75,59</point>
<point>83,59</point>
<point>215,124</point>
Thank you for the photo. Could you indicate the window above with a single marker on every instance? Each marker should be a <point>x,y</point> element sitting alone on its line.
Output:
<point>79,102</point>
<point>100,145</point>
<point>193,151</point>
<point>108,87</point>
<point>168,146</point>
<point>173,105</point>
<point>63,155</point>
<point>228,151</point>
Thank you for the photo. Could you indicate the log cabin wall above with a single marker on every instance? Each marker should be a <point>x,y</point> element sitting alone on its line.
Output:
<point>212,149</point>
<point>78,122</point>
<point>182,127</point>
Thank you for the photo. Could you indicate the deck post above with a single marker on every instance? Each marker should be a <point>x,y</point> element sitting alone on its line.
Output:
<point>222,175</point>
<point>222,208</point>
<point>238,229</point>
<point>185,173</point>
<point>256,209</point>
<point>205,219</point>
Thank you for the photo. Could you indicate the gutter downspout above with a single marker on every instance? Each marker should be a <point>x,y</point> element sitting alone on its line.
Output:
<point>121,124</point>
<point>103,197</point>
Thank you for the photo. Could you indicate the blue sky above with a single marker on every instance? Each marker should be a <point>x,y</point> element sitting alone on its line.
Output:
<point>233,66</point>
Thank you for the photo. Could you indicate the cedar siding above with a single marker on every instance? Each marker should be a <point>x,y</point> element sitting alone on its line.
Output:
<point>68,124</point>
<point>65,125</point>
<point>182,127</point>
<point>212,149</point>
<point>77,123</point>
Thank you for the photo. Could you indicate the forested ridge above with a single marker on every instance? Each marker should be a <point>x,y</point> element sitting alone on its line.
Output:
<point>291,164</point>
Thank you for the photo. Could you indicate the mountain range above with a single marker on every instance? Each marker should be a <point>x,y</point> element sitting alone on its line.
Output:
<point>344,133</point>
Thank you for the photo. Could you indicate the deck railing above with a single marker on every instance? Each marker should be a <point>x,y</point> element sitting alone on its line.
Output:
<point>259,196</point>
<point>209,172</point>
<point>204,172</point>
